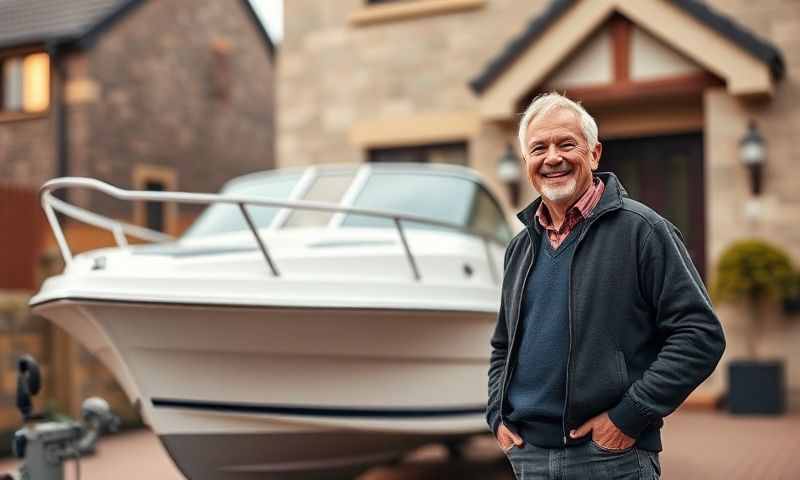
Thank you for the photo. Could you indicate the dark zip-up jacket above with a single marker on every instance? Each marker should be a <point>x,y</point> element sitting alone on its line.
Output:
<point>642,330</point>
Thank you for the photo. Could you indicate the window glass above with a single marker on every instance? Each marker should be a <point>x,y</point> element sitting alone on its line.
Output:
<point>154,211</point>
<point>25,83</point>
<point>487,217</point>
<point>439,197</point>
<point>224,218</point>
<point>328,188</point>
<point>36,82</point>
<point>452,153</point>
<point>12,85</point>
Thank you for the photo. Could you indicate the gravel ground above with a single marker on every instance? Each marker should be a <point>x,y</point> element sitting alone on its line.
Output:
<point>698,445</point>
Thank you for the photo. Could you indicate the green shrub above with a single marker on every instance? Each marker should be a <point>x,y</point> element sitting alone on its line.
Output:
<point>753,270</point>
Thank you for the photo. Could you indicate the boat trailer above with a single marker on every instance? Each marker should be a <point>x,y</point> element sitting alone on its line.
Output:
<point>45,445</point>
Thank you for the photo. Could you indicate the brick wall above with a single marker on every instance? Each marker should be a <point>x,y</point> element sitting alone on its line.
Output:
<point>27,151</point>
<point>177,83</point>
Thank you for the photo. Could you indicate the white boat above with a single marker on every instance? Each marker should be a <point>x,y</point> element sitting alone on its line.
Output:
<point>312,322</point>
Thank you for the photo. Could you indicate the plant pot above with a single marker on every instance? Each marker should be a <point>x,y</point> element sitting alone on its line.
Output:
<point>791,305</point>
<point>756,387</point>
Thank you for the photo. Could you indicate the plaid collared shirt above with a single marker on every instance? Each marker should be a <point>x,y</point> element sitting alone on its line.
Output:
<point>575,214</point>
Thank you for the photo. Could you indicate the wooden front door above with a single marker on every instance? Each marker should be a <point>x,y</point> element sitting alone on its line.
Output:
<point>666,174</point>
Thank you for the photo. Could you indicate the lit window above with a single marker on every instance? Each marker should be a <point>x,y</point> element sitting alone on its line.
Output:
<point>25,82</point>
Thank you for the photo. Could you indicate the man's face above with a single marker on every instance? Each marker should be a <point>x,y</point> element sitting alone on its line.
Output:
<point>558,160</point>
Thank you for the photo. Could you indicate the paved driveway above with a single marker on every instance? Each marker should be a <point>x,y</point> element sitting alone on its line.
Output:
<point>698,445</point>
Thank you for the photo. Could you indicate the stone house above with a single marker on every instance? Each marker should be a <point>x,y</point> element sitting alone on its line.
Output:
<point>149,95</point>
<point>673,85</point>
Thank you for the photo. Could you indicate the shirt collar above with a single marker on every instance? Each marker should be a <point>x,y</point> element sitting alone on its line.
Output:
<point>580,208</point>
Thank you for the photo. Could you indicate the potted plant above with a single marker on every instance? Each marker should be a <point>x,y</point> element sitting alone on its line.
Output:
<point>753,273</point>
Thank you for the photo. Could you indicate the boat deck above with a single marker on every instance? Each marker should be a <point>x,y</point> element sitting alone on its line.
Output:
<point>698,445</point>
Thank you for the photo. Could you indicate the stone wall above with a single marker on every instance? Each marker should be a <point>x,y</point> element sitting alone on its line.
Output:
<point>333,74</point>
<point>27,151</point>
<point>180,84</point>
<point>775,214</point>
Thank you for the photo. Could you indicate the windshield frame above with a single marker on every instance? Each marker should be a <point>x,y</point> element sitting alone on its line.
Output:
<point>362,174</point>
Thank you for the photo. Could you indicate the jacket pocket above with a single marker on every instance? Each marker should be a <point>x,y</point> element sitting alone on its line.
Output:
<point>622,370</point>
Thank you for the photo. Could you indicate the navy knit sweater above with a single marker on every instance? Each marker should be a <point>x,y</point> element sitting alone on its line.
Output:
<point>537,389</point>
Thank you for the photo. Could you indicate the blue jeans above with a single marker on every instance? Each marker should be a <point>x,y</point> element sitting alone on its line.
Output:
<point>587,461</point>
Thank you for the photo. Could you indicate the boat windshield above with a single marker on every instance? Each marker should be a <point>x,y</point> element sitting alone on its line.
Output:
<point>449,198</point>
<point>224,218</point>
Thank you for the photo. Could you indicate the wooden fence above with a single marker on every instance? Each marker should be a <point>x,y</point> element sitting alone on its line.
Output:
<point>22,229</point>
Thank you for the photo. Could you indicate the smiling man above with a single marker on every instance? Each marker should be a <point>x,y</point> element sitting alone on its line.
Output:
<point>604,326</point>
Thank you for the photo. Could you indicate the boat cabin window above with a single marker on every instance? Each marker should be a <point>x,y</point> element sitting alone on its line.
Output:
<point>223,218</point>
<point>487,218</point>
<point>327,188</point>
<point>440,197</point>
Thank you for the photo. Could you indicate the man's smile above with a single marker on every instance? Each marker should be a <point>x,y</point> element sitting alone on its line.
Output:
<point>560,174</point>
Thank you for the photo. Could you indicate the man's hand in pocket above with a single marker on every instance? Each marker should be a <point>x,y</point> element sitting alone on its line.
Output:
<point>507,439</point>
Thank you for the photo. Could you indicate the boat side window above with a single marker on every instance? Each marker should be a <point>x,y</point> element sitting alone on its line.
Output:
<point>487,217</point>
<point>224,218</point>
<point>327,188</point>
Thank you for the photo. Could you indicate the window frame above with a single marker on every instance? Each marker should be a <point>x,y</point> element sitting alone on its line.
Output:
<point>422,152</point>
<point>21,53</point>
<point>166,176</point>
<point>399,10</point>
<point>480,188</point>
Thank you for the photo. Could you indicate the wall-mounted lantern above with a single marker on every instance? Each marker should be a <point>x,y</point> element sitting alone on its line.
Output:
<point>753,155</point>
<point>509,172</point>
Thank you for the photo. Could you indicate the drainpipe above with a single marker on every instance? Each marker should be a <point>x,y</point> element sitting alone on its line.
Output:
<point>60,114</point>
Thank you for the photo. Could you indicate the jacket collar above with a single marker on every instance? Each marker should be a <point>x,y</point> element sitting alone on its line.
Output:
<point>611,200</point>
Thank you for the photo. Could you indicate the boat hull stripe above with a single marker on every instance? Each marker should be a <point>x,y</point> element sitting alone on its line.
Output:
<point>314,411</point>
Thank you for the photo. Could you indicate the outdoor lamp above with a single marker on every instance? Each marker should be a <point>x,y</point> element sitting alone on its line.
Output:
<point>752,154</point>
<point>509,171</point>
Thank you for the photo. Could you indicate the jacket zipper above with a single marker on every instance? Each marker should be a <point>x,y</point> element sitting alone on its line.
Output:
<point>569,316</point>
<point>516,326</point>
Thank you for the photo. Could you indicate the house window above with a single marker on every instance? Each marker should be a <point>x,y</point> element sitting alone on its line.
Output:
<point>160,216</point>
<point>452,153</point>
<point>25,83</point>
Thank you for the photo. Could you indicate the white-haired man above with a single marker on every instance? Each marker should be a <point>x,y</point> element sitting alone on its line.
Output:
<point>604,326</point>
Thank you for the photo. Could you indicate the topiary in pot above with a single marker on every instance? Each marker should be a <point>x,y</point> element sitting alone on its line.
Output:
<point>755,272</point>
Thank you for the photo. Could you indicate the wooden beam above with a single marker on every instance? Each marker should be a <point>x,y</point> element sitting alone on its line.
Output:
<point>682,86</point>
<point>621,48</point>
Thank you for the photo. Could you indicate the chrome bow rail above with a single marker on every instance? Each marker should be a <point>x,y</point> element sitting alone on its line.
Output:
<point>120,229</point>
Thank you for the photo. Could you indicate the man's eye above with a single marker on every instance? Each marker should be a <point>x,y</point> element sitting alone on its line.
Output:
<point>568,145</point>
<point>537,150</point>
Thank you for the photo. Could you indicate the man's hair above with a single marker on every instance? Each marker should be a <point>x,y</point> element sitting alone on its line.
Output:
<point>548,102</point>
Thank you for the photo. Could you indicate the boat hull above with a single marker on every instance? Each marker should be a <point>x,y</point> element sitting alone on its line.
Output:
<point>286,456</point>
<point>276,392</point>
